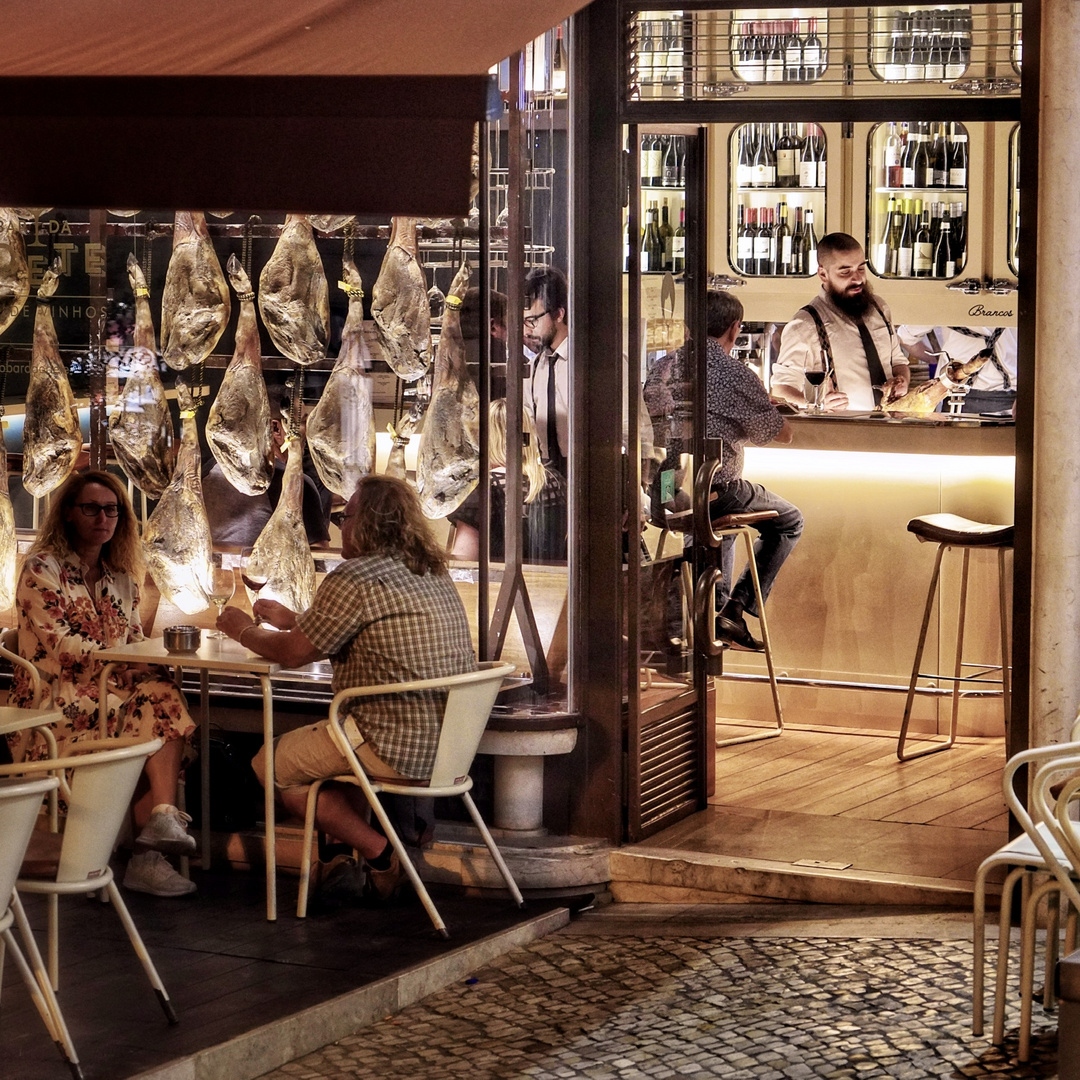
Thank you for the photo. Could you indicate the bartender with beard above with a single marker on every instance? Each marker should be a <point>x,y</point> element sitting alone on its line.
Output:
<point>849,329</point>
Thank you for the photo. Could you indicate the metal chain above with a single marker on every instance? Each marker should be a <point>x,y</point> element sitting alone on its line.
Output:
<point>3,379</point>
<point>296,403</point>
<point>350,231</point>
<point>245,247</point>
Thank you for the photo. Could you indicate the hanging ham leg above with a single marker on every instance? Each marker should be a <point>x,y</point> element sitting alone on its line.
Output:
<point>238,427</point>
<point>341,428</point>
<point>293,297</point>
<point>449,463</point>
<point>14,269</point>
<point>140,427</point>
<point>195,305</point>
<point>176,538</point>
<point>282,556</point>
<point>400,306</point>
<point>52,436</point>
<point>8,544</point>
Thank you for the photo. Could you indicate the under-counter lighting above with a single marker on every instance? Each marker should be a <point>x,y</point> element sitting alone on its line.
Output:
<point>840,464</point>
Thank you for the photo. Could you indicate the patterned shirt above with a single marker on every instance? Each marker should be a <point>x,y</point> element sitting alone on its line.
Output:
<point>740,411</point>
<point>380,623</point>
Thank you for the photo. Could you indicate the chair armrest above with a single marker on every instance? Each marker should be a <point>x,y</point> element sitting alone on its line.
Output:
<point>16,660</point>
<point>448,682</point>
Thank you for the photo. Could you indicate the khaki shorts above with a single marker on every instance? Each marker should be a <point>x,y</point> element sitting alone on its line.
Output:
<point>309,754</point>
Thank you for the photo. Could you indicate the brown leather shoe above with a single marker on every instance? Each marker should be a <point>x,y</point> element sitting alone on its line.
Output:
<point>737,634</point>
<point>385,883</point>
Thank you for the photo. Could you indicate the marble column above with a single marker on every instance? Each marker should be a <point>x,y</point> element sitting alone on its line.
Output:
<point>1055,629</point>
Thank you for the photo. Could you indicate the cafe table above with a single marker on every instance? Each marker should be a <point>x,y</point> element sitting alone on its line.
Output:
<point>220,655</point>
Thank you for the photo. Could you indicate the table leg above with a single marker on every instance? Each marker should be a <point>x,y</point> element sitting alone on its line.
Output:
<point>103,700</point>
<point>204,765</point>
<point>268,787</point>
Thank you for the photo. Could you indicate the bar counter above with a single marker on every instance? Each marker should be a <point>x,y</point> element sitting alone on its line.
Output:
<point>846,608</point>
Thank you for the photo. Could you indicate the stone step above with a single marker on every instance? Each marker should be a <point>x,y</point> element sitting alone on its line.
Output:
<point>669,876</point>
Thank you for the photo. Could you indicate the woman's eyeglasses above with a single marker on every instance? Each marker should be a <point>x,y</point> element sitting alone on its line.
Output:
<point>91,509</point>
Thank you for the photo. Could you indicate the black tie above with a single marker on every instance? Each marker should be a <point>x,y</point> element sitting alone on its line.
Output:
<point>873,361</point>
<point>554,452</point>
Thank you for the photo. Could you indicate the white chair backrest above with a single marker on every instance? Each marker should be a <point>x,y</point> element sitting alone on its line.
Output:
<point>468,705</point>
<point>9,650</point>
<point>20,801</point>
<point>102,785</point>
<point>1054,813</point>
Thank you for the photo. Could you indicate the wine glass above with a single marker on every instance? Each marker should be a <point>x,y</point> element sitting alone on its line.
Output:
<point>252,571</point>
<point>222,587</point>
<point>814,388</point>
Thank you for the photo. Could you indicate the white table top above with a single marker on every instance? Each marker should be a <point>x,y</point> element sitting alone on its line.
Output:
<point>15,719</point>
<point>214,654</point>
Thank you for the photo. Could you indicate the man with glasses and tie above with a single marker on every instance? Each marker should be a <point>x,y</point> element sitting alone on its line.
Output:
<point>547,387</point>
<point>849,329</point>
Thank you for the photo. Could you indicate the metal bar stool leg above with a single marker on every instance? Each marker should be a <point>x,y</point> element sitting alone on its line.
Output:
<point>1003,617</point>
<point>745,532</point>
<point>901,754</point>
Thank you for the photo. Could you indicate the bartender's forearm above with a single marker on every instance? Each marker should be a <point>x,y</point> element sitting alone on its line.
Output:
<point>783,392</point>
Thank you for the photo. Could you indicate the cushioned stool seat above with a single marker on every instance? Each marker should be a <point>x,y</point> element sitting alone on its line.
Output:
<point>953,531</point>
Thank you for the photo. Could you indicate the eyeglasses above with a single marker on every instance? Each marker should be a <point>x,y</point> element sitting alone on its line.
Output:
<point>110,510</point>
<point>338,517</point>
<point>530,321</point>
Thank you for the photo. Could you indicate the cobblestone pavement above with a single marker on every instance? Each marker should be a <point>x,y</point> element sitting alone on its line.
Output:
<point>676,1006</point>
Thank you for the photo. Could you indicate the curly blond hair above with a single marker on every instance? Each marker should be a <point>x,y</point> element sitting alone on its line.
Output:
<point>388,521</point>
<point>123,552</point>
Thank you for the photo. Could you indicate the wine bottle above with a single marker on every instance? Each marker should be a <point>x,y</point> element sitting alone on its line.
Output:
<point>822,164</point>
<point>755,65</point>
<point>653,162</point>
<point>955,61</point>
<point>914,66</point>
<point>759,160</point>
<point>768,145</point>
<point>646,142</point>
<point>744,240</point>
<point>793,53</point>
<point>892,70</point>
<point>922,259</point>
<point>813,55</point>
<point>646,52</point>
<point>669,176</point>
<point>894,173</point>
<point>558,64</point>
<point>673,57</point>
<point>944,259</point>
<point>939,159</point>
<point>774,58</point>
<point>798,245</point>
<point>762,236</point>
<point>906,242</point>
<point>667,236</point>
<point>881,253</point>
<point>654,242</point>
<point>958,159</point>
<point>678,244</point>
<point>958,230</point>
<point>934,70</point>
<point>907,160</point>
<point>808,160</point>
<point>811,242</point>
<point>681,140</point>
<point>744,166</point>
<point>783,241</point>
<point>787,158</point>
<point>924,166</point>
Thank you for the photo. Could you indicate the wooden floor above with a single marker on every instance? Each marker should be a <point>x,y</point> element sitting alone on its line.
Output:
<point>842,797</point>
<point>226,968</point>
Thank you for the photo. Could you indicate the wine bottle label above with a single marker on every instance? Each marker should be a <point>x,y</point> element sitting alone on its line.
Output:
<point>903,262</point>
<point>644,261</point>
<point>958,177</point>
<point>811,259</point>
<point>892,156</point>
<point>811,59</point>
<point>671,175</point>
<point>950,269</point>
<point>808,171</point>
<point>922,258</point>
<point>785,164</point>
<point>935,72</point>
<point>678,247</point>
<point>743,175</point>
<point>785,250</point>
<point>821,174</point>
<point>881,258</point>
<point>761,247</point>
<point>908,176</point>
<point>759,175</point>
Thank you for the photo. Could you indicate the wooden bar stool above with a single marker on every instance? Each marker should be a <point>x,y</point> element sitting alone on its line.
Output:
<point>705,606</point>
<point>952,531</point>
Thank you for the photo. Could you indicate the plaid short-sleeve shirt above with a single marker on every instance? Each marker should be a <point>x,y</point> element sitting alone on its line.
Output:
<point>380,623</point>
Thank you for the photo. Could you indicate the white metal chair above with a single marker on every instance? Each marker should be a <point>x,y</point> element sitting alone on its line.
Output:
<point>77,861</point>
<point>1036,851</point>
<point>20,802</point>
<point>469,699</point>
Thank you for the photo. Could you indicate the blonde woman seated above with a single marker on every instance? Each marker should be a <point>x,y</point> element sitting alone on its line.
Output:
<point>543,501</point>
<point>79,592</point>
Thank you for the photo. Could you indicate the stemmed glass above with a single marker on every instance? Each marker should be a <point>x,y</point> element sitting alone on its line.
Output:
<point>222,587</point>
<point>252,572</point>
<point>814,389</point>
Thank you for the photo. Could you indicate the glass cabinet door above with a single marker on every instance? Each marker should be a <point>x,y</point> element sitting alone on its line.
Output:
<point>661,244</point>
<point>1014,199</point>
<point>917,199</point>
<point>789,45</point>
<point>921,44</point>
<point>777,208</point>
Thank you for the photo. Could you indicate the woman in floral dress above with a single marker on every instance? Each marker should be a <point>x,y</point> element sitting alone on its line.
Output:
<point>78,593</point>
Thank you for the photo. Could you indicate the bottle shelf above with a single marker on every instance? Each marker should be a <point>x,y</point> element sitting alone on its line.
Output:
<point>743,190</point>
<point>921,190</point>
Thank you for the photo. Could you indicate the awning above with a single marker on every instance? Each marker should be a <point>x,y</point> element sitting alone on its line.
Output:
<point>325,106</point>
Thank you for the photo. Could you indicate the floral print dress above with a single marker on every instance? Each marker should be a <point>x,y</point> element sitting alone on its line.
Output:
<point>63,621</point>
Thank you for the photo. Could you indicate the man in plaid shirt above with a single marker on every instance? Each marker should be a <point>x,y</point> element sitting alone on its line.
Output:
<point>388,614</point>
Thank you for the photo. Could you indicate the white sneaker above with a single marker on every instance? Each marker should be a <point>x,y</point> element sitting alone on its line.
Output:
<point>166,831</point>
<point>152,873</point>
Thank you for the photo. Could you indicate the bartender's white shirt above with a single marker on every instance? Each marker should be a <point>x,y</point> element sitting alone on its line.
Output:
<point>799,343</point>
